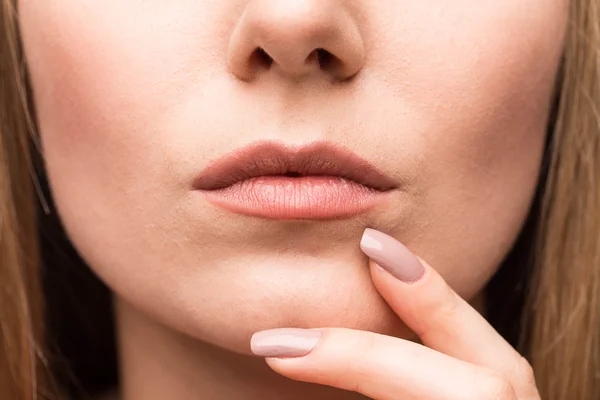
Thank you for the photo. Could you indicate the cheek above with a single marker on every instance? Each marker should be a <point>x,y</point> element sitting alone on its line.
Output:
<point>108,75</point>
<point>478,100</point>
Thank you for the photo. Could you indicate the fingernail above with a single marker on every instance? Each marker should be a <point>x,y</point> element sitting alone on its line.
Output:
<point>391,255</point>
<point>284,342</point>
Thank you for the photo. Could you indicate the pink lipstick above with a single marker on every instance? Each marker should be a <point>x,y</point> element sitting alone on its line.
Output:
<point>270,180</point>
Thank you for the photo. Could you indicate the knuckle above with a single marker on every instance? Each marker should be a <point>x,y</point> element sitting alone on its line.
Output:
<point>363,350</point>
<point>446,306</point>
<point>437,306</point>
<point>367,346</point>
<point>523,377</point>
<point>524,372</point>
<point>359,365</point>
<point>493,386</point>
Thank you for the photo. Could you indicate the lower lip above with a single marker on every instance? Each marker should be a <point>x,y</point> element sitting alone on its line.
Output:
<point>308,197</point>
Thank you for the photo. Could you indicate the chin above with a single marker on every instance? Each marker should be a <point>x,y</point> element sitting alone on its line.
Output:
<point>227,304</point>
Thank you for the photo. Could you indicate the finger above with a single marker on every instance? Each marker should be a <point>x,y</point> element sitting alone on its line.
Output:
<point>380,367</point>
<point>441,318</point>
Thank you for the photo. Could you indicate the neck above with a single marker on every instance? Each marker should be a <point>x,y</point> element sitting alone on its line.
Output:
<point>159,363</point>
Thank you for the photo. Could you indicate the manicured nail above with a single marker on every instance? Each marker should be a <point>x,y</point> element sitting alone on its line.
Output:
<point>284,342</point>
<point>391,255</point>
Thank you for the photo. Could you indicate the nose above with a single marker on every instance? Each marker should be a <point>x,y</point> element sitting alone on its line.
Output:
<point>296,39</point>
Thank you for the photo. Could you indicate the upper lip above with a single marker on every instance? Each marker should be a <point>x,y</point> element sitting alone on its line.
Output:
<point>270,158</point>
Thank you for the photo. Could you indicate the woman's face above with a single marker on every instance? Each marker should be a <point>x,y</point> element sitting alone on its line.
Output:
<point>135,98</point>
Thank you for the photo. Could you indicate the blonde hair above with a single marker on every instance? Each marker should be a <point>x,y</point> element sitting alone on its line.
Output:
<point>564,345</point>
<point>23,373</point>
<point>562,313</point>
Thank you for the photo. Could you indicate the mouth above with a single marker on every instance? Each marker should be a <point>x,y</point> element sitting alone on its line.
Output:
<point>270,180</point>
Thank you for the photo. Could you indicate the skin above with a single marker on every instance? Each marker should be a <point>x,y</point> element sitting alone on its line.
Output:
<point>134,98</point>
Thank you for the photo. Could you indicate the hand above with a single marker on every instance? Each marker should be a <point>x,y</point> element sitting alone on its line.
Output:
<point>462,356</point>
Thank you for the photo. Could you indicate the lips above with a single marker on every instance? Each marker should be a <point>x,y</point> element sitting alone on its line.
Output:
<point>271,180</point>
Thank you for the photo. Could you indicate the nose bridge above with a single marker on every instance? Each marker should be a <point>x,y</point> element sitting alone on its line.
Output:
<point>296,38</point>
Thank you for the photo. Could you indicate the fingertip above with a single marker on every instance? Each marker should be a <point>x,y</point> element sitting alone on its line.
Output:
<point>284,342</point>
<point>393,256</point>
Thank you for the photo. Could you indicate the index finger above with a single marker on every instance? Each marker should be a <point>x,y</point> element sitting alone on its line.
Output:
<point>437,314</point>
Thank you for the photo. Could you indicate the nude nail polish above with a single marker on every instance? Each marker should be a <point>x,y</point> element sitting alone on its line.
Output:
<point>284,342</point>
<point>391,255</point>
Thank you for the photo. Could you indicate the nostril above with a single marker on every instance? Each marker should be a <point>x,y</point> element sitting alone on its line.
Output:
<point>260,56</point>
<point>325,58</point>
<point>327,61</point>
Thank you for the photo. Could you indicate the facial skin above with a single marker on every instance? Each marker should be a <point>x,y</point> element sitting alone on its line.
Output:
<point>134,98</point>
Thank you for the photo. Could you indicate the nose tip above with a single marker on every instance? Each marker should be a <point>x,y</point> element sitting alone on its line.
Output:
<point>296,38</point>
